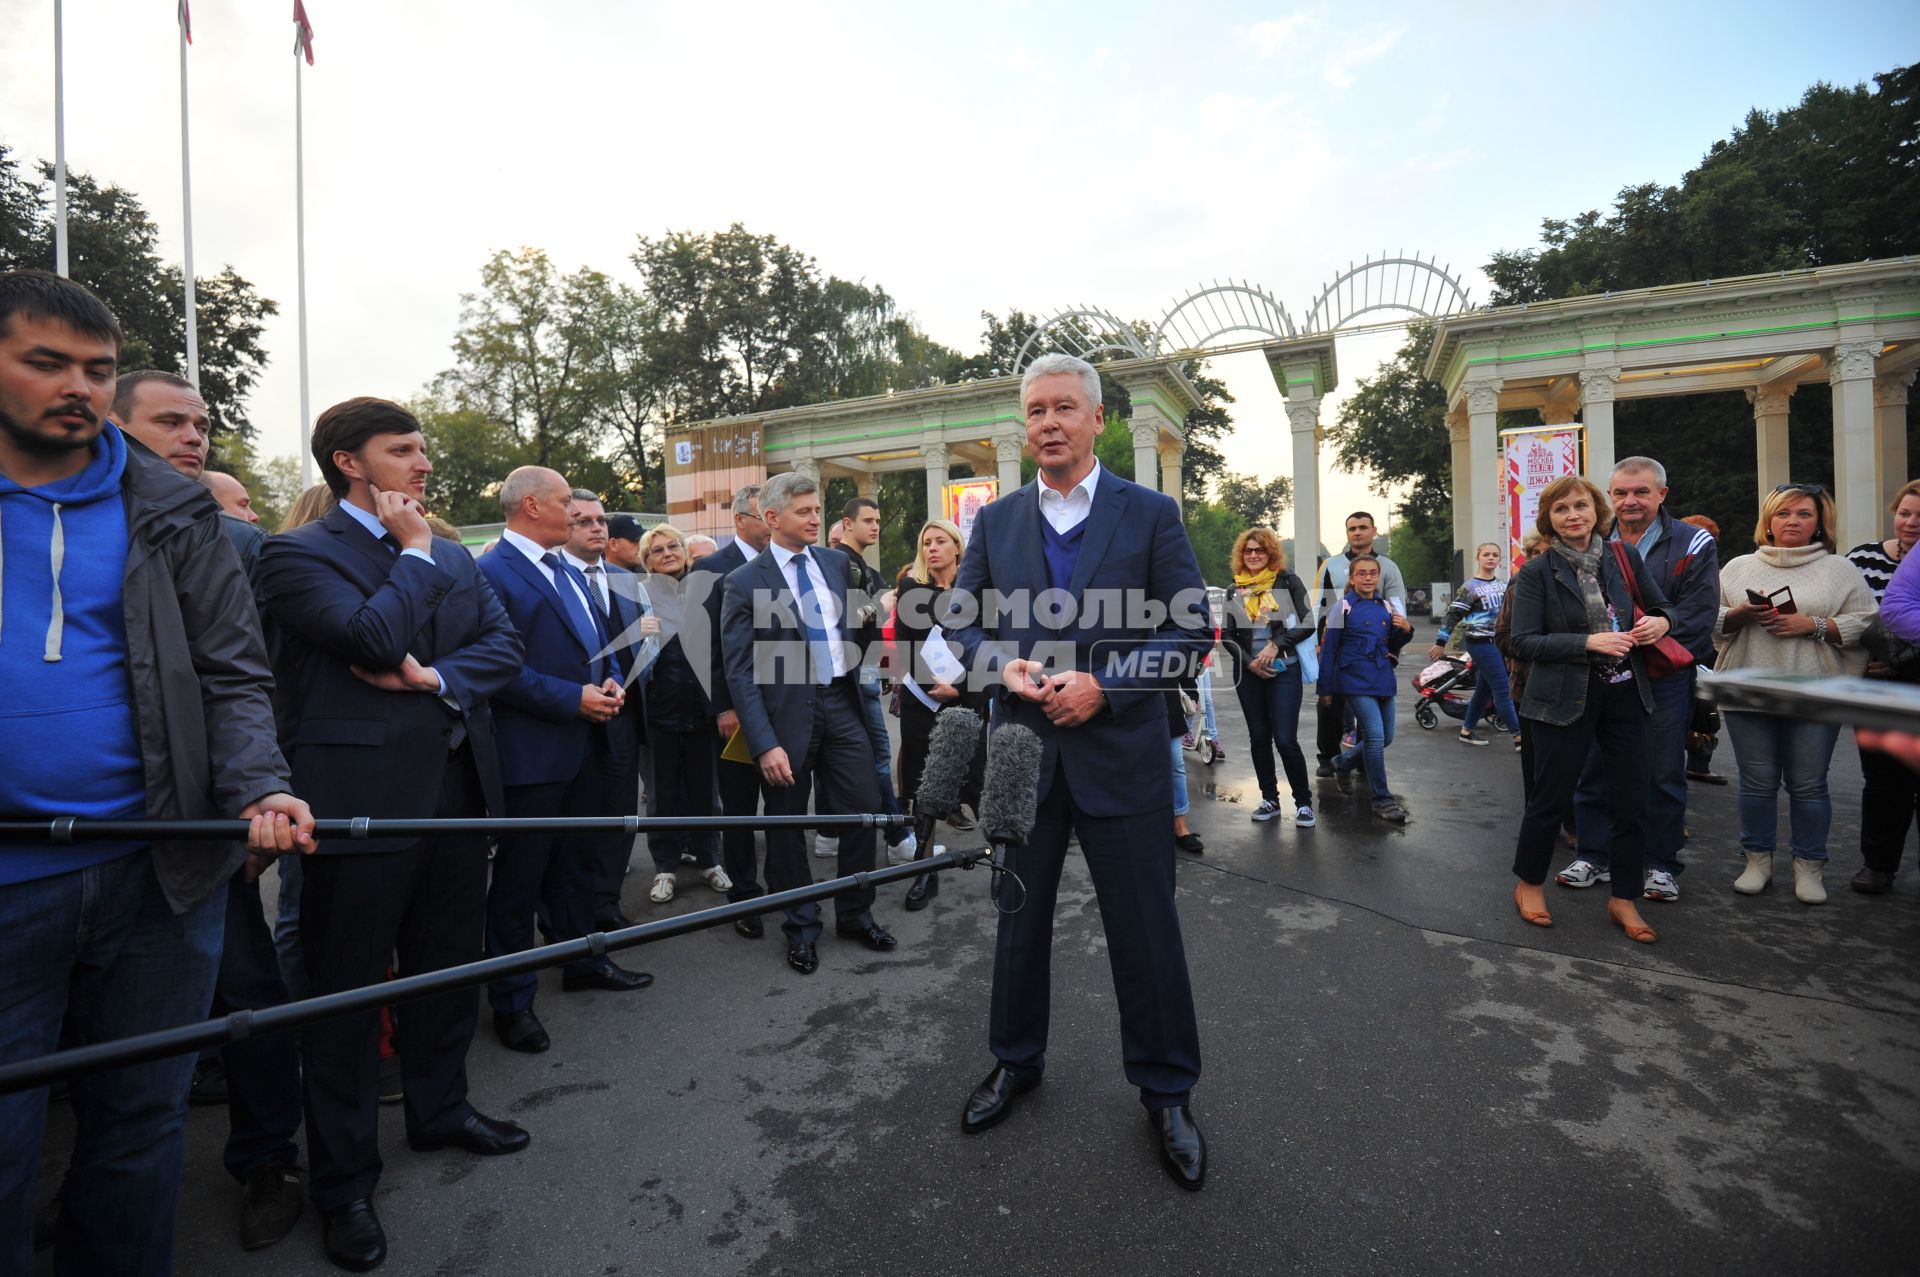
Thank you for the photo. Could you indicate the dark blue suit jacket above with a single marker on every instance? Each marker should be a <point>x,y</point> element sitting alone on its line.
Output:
<point>338,598</point>
<point>1137,595</point>
<point>764,648</point>
<point>543,739</point>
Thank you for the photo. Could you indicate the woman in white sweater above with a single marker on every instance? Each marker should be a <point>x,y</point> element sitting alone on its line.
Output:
<point>1793,606</point>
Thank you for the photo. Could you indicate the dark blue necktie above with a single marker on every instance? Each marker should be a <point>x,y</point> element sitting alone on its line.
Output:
<point>584,624</point>
<point>813,620</point>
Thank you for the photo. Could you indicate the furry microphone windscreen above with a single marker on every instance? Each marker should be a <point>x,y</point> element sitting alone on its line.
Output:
<point>950,750</point>
<point>1010,799</point>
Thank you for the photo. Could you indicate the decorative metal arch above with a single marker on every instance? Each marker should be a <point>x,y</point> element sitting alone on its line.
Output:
<point>1391,283</point>
<point>1084,331</point>
<point>1207,314</point>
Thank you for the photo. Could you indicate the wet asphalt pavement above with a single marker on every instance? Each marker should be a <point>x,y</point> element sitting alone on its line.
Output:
<point>1400,1076</point>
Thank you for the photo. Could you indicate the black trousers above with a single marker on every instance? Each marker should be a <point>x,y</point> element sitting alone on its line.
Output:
<point>554,874</point>
<point>1615,718</point>
<point>263,1072</point>
<point>1328,727</point>
<point>1130,859</point>
<point>683,765</point>
<point>739,785</point>
<point>1889,806</point>
<point>840,751</point>
<point>619,796</point>
<point>427,902</point>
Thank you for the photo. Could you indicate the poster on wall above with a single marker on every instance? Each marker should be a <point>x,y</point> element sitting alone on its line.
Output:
<point>1530,460</point>
<point>964,499</point>
<point>705,466</point>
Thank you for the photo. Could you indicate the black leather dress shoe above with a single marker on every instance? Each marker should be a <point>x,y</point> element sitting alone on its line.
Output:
<point>993,1099</point>
<point>922,892</point>
<point>355,1240</point>
<point>611,920</point>
<point>521,1031</point>
<point>480,1134</point>
<point>873,935</point>
<point>605,976</point>
<point>750,926</point>
<point>1183,1149</point>
<point>802,958</point>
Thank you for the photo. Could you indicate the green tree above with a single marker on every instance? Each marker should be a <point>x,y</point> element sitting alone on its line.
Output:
<point>112,249</point>
<point>1255,504</point>
<point>1212,528</point>
<point>472,453</point>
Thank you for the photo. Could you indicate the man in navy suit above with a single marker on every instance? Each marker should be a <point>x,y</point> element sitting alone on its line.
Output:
<point>739,783</point>
<point>1091,681</point>
<point>389,646</point>
<point>788,625</point>
<point>628,615</point>
<point>554,748</point>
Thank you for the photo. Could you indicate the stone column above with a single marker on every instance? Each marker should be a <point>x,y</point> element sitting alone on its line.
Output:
<point>936,458</point>
<point>1559,413</point>
<point>1459,435</point>
<point>1770,408</point>
<point>1171,452</point>
<point>1856,458</point>
<point>1007,449</point>
<point>1303,417</point>
<point>1484,495</point>
<point>1146,442</point>
<point>1597,387</point>
<point>1890,421</point>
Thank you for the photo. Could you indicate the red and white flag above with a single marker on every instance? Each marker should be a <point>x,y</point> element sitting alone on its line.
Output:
<point>302,31</point>
<point>186,22</point>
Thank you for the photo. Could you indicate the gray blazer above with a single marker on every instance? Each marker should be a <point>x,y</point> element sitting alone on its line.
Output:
<point>1550,631</point>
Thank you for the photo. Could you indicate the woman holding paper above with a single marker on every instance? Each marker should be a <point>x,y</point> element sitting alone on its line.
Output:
<point>1267,626</point>
<point>931,677</point>
<point>1793,606</point>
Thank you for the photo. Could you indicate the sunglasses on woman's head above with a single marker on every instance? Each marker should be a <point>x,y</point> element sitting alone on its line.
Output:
<point>1808,489</point>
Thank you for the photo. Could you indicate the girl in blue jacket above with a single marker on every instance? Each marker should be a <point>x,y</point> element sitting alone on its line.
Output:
<point>1356,661</point>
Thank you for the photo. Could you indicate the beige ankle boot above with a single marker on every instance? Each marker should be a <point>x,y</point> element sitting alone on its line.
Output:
<point>1758,874</point>
<point>1808,889</point>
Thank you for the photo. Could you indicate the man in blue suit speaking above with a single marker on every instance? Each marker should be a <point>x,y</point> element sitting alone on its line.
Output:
<point>1081,593</point>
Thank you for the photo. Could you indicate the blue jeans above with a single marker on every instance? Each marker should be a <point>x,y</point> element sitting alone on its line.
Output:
<point>1374,715</point>
<point>1205,684</point>
<point>1180,807</point>
<point>100,950</point>
<point>1666,819</point>
<point>1773,752</point>
<point>1272,708</point>
<point>1490,686</point>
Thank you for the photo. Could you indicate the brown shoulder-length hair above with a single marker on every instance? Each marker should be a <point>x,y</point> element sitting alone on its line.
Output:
<point>1565,486</point>
<point>1822,509</point>
<point>1268,540</point>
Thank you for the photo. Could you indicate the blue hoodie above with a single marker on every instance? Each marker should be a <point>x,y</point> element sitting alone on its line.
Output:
<point>69,742</point>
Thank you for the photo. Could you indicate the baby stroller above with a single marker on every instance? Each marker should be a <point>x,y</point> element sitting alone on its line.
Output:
<point>1444,687</point>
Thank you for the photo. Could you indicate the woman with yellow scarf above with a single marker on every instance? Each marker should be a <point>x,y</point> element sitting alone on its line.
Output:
<point>1267,627</point>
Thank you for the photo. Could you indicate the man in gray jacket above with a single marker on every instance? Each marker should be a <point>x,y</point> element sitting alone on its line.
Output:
<point>137,687</point>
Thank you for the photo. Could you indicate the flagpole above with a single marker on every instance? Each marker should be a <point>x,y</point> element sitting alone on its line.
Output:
<point>186,205</point>
<point>300,251</point>
<point>59,146</point>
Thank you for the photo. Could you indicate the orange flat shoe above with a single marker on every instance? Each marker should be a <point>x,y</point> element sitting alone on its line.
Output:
<point>1532,903</point>
<point>1628,919</point>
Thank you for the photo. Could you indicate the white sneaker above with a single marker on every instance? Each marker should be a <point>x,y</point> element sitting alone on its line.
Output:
<point>717,879</point>
<point>1661,886</point>
<point>826,848</point>
<point>1303,817</point>
<point>1808,888</point>
<point>902,852</point>
<point>1582,874</point>
<point>662,889</point>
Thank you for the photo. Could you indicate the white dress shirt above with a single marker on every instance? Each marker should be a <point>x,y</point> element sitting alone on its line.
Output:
<point>1065,511</point>
<point>783,558</point>
<point>376,529</point>
<point>534,551</point>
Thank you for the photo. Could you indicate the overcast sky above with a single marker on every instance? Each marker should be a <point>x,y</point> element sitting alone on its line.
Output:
<point>966,157</point>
